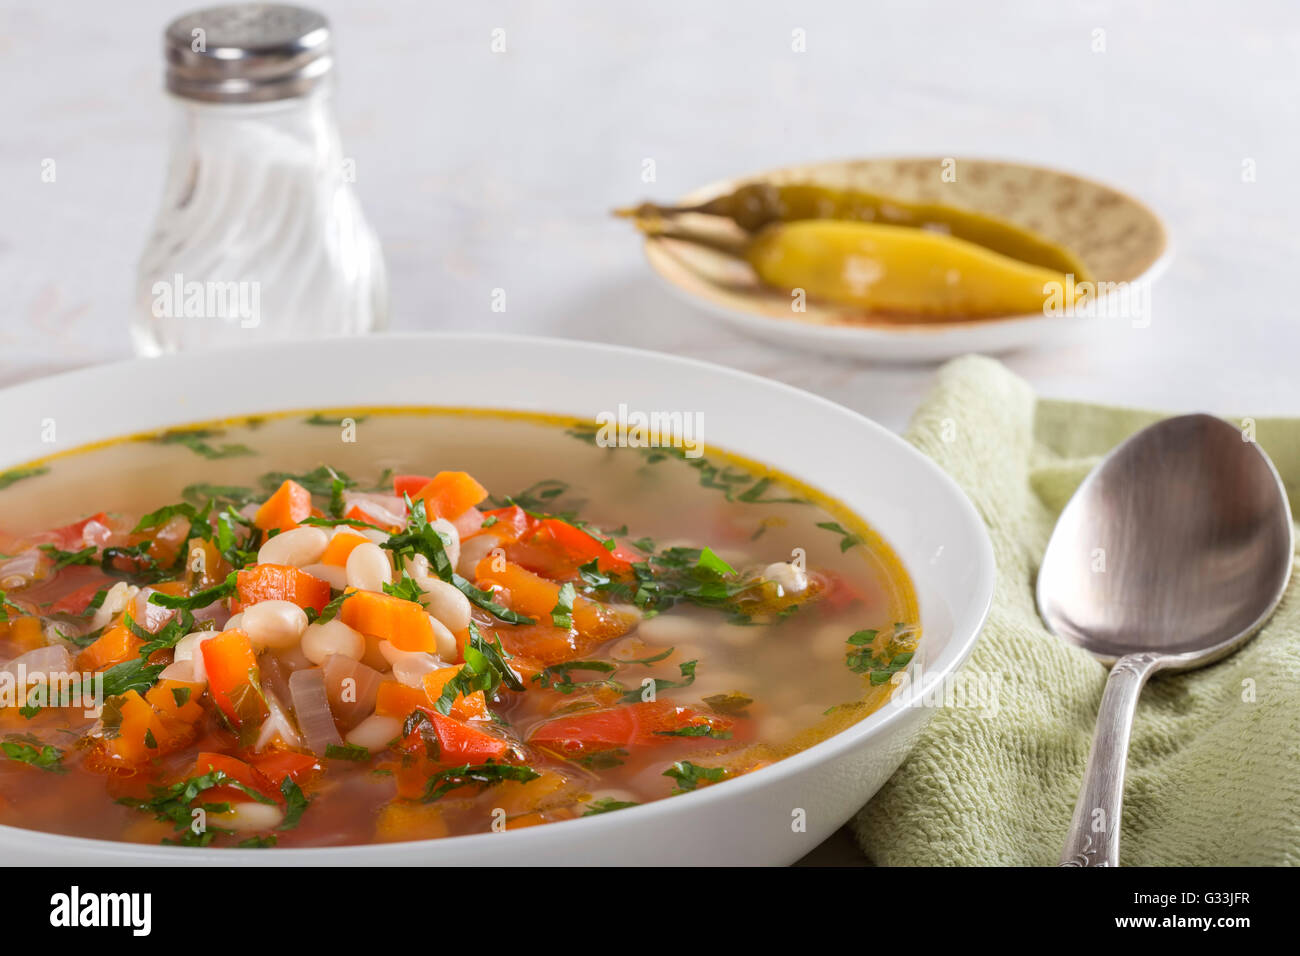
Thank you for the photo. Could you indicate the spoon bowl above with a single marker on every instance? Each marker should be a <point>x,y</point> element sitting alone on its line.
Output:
<point>1172,553</point>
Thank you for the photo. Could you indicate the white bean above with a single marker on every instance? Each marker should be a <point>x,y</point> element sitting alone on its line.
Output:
<point>332,637</point>
<point>249,816</point>
<point>445,640</point>
<point>375,732</point>
<point>274,624</point>
<point>445,602</point>
<point>187,648</point>
<point>473,551</point>
<point>235,622</point>
<point>667,629</point>
<point>179,670</point>
<point>450,538</point>
<point>409,669</point>
<point>115,601</point>
<point>333,574</point>
<point>368,568</point>
<point>296,547</point>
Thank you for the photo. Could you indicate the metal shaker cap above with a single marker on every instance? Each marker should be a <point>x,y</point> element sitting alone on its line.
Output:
<point>247,53</point>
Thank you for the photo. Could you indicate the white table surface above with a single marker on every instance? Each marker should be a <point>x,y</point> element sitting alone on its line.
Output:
<point>482,170</point>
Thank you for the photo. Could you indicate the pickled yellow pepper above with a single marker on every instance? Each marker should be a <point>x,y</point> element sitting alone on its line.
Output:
<point>899,270</point>
<point>756,206</point>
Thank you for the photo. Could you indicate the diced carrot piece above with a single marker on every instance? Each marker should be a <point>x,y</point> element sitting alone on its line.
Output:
<point>276,765</point>
<point>463,708</point>
<point>340,546</point>
<point>279,582</point>
<point>520,796</point>
<point>436,680</point>
<point>139,725</point>
<point>166,697</point>
<point>143,733</point>
<point>205,560</point>
<point>25,633</point>
<point>525,820</point>
<point>117,645</point>
<point>449,494</point>
<point>402,820</point>
<point>402,623</point>
<point>233,678</point>
<point>284,509</point>
<point>398,700</point>
<point>535,596</point>
<point>462,642</point>
<point>409,485</point>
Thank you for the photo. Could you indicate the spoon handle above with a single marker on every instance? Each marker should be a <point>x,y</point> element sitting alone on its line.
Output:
<point>1094,831</point>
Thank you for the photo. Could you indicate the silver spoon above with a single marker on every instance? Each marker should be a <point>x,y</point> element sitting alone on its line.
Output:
<point>1172,553</point>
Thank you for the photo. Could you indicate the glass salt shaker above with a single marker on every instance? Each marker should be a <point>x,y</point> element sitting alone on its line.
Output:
<point>260,235</point>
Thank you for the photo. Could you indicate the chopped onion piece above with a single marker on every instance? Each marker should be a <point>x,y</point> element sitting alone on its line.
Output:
<point>277,725</point>
<point>311,706</point>
<point>352,688</point>
<point>53,659</point>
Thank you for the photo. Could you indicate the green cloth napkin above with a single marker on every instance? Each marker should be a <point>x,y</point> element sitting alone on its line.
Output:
<point>1214,767</point>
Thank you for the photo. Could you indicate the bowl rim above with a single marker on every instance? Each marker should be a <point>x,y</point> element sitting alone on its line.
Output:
<point>966,629</point>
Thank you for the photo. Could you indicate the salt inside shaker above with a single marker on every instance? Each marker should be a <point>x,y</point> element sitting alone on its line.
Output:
<point>260,235</point>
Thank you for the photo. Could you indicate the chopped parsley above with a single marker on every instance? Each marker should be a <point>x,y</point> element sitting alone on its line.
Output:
<point>197,441</point>
<point>420,537</point>
<point>847,538</point>
<point>15,475</point>
<point>691,776</point>
<point>353,752</point>
<point>27,749</point>
<point>607,805</point>
<point>862,658</point>
<point>482,775</point>
<point>562,613</point>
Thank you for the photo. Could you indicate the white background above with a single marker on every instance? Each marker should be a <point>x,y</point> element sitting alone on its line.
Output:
<point>482,170</point>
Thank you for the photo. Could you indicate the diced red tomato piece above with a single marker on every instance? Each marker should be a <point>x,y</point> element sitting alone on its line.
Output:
<point>76,601</point>
<point>628,725</point>
<point>238,771</point>
<point>584,547</point>
<point>508,524</point>
<point>409,484</point>
<point>275,765</point>
<point>457,742</point>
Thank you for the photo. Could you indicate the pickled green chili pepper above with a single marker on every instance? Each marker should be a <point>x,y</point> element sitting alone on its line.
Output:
<point>756,206</point>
